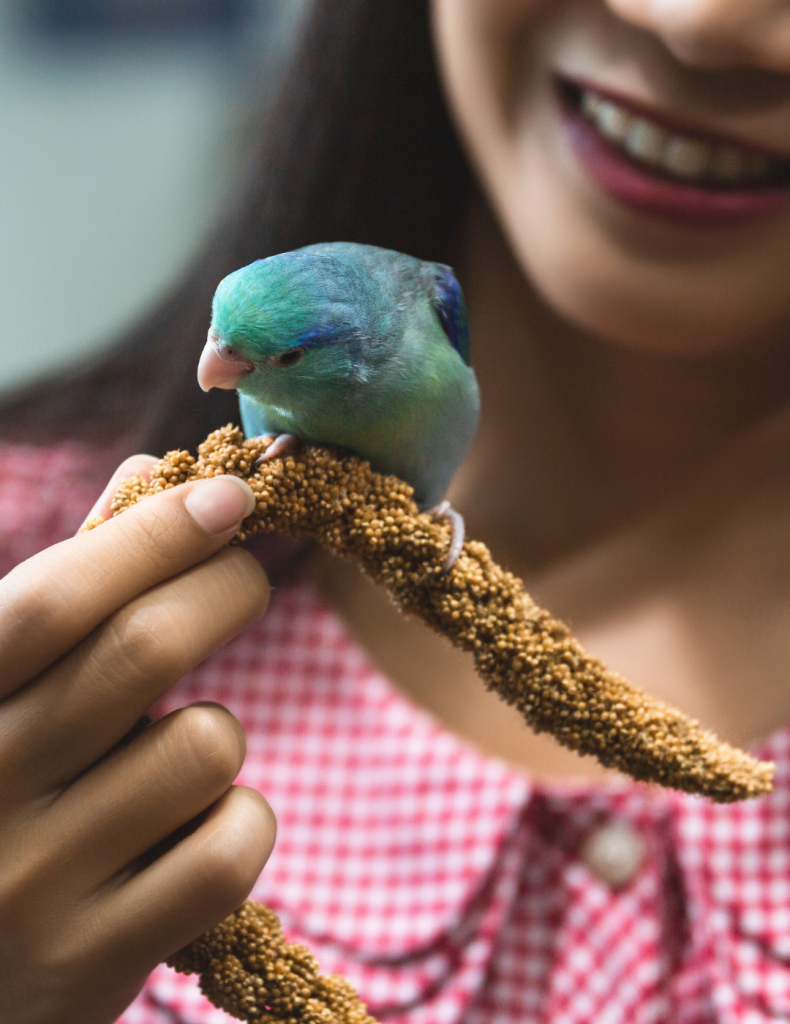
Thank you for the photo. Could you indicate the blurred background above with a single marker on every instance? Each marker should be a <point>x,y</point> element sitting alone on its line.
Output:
<point>122,127</point>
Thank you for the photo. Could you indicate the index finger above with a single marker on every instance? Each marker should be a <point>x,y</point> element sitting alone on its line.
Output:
<point>53,600</point>
<point>135,465</point>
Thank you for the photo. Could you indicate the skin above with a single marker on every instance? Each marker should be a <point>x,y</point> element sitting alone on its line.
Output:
<point>631,465</point>
<point>84,915</point>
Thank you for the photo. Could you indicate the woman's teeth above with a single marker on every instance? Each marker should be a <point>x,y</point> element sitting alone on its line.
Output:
<point>691,160</point>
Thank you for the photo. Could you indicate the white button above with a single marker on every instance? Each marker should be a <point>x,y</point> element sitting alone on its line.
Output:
<point>614,852</point>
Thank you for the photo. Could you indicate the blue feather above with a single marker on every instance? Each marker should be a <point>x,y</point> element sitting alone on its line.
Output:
<point>320,336</point>
<point>451,309</point>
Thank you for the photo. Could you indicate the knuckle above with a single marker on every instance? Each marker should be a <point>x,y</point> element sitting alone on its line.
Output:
<point>230,867</point>
<point>228,590</point>
<point>227,876</point>
<point>23,877</point>
<point>17,885</point>
<point>31,604</point>
<point>234,845</point>
<point>211,743</point>
<point>245,576</point>
<point>137,639</point>
<point>154,526</point>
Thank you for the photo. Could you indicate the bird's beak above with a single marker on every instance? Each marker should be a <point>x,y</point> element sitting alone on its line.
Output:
<point>221,366</point>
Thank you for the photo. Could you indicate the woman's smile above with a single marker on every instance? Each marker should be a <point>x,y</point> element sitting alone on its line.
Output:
<point>660,167</point>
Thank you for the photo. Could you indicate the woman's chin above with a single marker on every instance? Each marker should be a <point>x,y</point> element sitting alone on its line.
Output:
<point>607,272</point>
<point>644,316</point>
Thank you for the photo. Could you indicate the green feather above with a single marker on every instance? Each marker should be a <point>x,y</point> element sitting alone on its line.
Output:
<point>373,355</point>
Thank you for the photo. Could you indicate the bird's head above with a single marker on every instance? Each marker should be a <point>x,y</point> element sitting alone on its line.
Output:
<point>334,327</point>
<point>280,321</point>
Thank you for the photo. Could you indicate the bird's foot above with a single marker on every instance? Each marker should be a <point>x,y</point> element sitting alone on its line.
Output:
<point>444,511</point>
<point>280,445</point>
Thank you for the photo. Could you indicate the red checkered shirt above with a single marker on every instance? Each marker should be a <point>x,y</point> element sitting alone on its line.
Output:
<point>444,884</point>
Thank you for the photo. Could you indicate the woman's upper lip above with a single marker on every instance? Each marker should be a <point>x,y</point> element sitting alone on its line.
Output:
<point>669,122</point>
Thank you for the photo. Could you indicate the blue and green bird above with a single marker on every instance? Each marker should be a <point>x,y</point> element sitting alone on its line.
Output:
<point>355,346</point>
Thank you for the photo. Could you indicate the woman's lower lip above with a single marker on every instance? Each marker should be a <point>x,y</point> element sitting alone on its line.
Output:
<point>638,188</point>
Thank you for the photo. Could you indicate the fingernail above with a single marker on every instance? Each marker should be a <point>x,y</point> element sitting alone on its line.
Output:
<point>218,504</point>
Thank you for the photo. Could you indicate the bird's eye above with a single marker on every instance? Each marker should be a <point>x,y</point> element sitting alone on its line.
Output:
<point>286,359</point>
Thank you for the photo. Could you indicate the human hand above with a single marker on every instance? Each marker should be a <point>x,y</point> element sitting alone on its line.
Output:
<point>113,853</point>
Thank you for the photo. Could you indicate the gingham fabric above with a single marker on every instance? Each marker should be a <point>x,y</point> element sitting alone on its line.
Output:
<point>444,884</point>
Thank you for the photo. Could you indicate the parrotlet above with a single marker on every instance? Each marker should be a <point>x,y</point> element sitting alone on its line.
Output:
<point>356,346</point>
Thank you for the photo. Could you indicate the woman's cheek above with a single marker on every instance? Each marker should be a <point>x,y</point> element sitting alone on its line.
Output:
<point>478,45</point>
<point>492,18</point>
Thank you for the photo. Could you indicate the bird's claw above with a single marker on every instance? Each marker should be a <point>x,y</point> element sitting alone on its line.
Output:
<point>444,511</point>
<point>281,445</point>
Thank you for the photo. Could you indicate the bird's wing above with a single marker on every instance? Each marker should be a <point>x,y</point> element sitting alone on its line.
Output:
<point>448,301</point>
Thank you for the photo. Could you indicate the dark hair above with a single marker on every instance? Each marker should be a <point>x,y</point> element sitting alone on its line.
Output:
<point>357,146</point>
